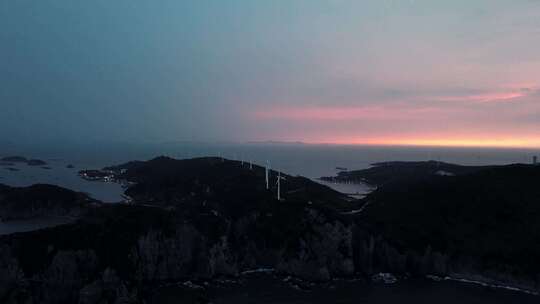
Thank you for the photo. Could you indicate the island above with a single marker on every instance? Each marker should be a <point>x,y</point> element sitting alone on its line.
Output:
<point>196,222</point>
<point>398,171</point>
<point>36,162</point>
<point>10,160</point>
<point>14,159</point>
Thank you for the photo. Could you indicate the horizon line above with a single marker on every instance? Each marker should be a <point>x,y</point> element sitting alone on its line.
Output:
<point>402,144</point>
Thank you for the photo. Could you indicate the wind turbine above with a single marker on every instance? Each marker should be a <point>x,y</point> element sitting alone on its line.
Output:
<point>279,178</point>
<point>266,174</point>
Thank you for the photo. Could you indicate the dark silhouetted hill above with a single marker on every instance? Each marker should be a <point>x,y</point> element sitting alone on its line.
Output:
<point>39,200</point>
<point>386,172</point>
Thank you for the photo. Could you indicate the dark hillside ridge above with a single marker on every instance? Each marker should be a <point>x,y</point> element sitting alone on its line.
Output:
<point>230,187</point>
<point>40,200</point>
<point>489,217</point>
<point>398,171</point>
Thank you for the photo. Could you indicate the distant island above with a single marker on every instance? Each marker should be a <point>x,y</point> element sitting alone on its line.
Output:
<point>22,159</point>
<point>276,142</point>
<point>386,172</point>
<point>36,162</point>
<point>14,159</point>
<point>205,219</point>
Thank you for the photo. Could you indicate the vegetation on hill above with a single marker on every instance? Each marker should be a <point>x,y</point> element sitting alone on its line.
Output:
<point>491,215</point>
<point>229,187</point>
<point>40,200</point>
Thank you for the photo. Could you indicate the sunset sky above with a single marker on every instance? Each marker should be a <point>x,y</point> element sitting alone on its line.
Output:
<point>422,72</point>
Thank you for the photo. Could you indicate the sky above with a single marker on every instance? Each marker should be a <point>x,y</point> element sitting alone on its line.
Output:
<point>408,72</point>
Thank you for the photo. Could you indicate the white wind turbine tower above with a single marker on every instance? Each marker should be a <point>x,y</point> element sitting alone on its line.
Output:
<point>267,168</point>
<point>279,178</point>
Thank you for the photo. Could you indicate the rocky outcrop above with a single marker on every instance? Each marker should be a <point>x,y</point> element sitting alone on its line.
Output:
<point>325,252</point>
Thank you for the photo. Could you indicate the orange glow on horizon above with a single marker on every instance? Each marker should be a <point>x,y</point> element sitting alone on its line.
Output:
<point>469,122</point>
<point>426,142</point>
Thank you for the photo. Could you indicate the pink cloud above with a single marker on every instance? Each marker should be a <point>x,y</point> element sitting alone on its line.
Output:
<point>489,97</point>
<point>464,120</point>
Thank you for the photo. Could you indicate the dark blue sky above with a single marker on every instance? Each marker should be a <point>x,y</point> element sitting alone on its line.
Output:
<point>411,72</point>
